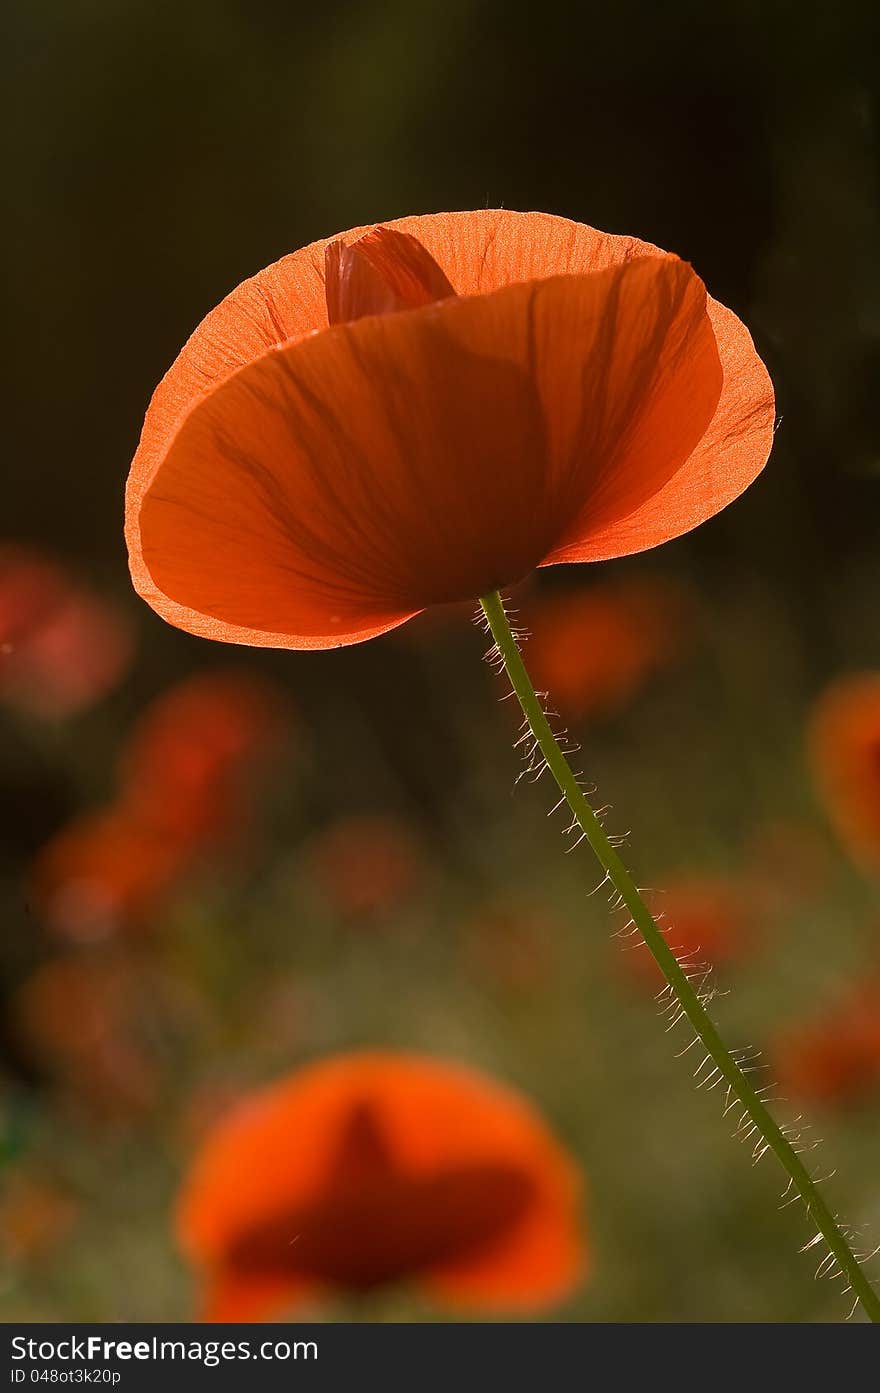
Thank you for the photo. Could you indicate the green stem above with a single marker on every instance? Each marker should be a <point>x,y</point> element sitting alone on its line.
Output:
<point>760,1120</point>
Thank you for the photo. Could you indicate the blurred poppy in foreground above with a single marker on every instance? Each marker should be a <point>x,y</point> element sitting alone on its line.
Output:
<point>62,648</point>
<point>424,412</point>
<point>845,752</point>
<point>184,790</point>
<point>835,1059</point>
<point>705,921</point>
<point>370,1169</point>
<point>593,650</point>
<point>366,864</point>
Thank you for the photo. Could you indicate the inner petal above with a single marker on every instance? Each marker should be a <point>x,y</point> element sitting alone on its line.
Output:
<point>382,272</point>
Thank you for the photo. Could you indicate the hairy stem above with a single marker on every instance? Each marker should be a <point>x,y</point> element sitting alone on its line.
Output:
<point>761,1123</point>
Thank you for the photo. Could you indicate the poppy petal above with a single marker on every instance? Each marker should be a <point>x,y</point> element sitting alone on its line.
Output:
<point>382,272</point>
<point>232,1299</point>
<point>348,481</point>
<point>478,252</point>
<point>731,453</point>
<point>483,250</point>
<point>535,1266</point>
<point>844,746</point>
<point>278,1155</point>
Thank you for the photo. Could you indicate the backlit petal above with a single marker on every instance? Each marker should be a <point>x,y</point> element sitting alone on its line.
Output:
<point>342,484</point>
<point>537,1265</point>
<point>382,272</point>
<point>439,1128</point>
<point>731,453</point>
<point>233,1298</point>
<point>478,252</point>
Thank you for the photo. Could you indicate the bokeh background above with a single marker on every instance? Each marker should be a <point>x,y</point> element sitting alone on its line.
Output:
<point>369,877</point>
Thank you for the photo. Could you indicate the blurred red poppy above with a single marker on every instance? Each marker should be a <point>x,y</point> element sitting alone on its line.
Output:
<point>84,1020</point>
<point>835,1059</point>
<point>366,864</point>
<point>593,650</point>
<point>706,922</point>
<point>104,872</point>
<point>61,647</point>
<point>423,412</point>
<point>184,790</point>
<point>194,751</point>
<point>370,1169</point>
<point>844,740</point>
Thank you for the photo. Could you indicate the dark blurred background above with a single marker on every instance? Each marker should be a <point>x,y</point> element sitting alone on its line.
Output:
<point>158,154</point>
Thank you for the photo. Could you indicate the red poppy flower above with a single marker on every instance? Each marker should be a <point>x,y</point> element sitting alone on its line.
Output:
<point>594,649</point>
<point>423,412</point>
<point>31,585</point>
<point>61,647</point>
<point>366,864</point>
<point>184,790</point>
<point>845,751</point>
<point>378,1168</point>
<point>835,1059</point>
<point>104,872</point>
<point>89,1022</point>
<point>705,921</point>
<point>191,755</point>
